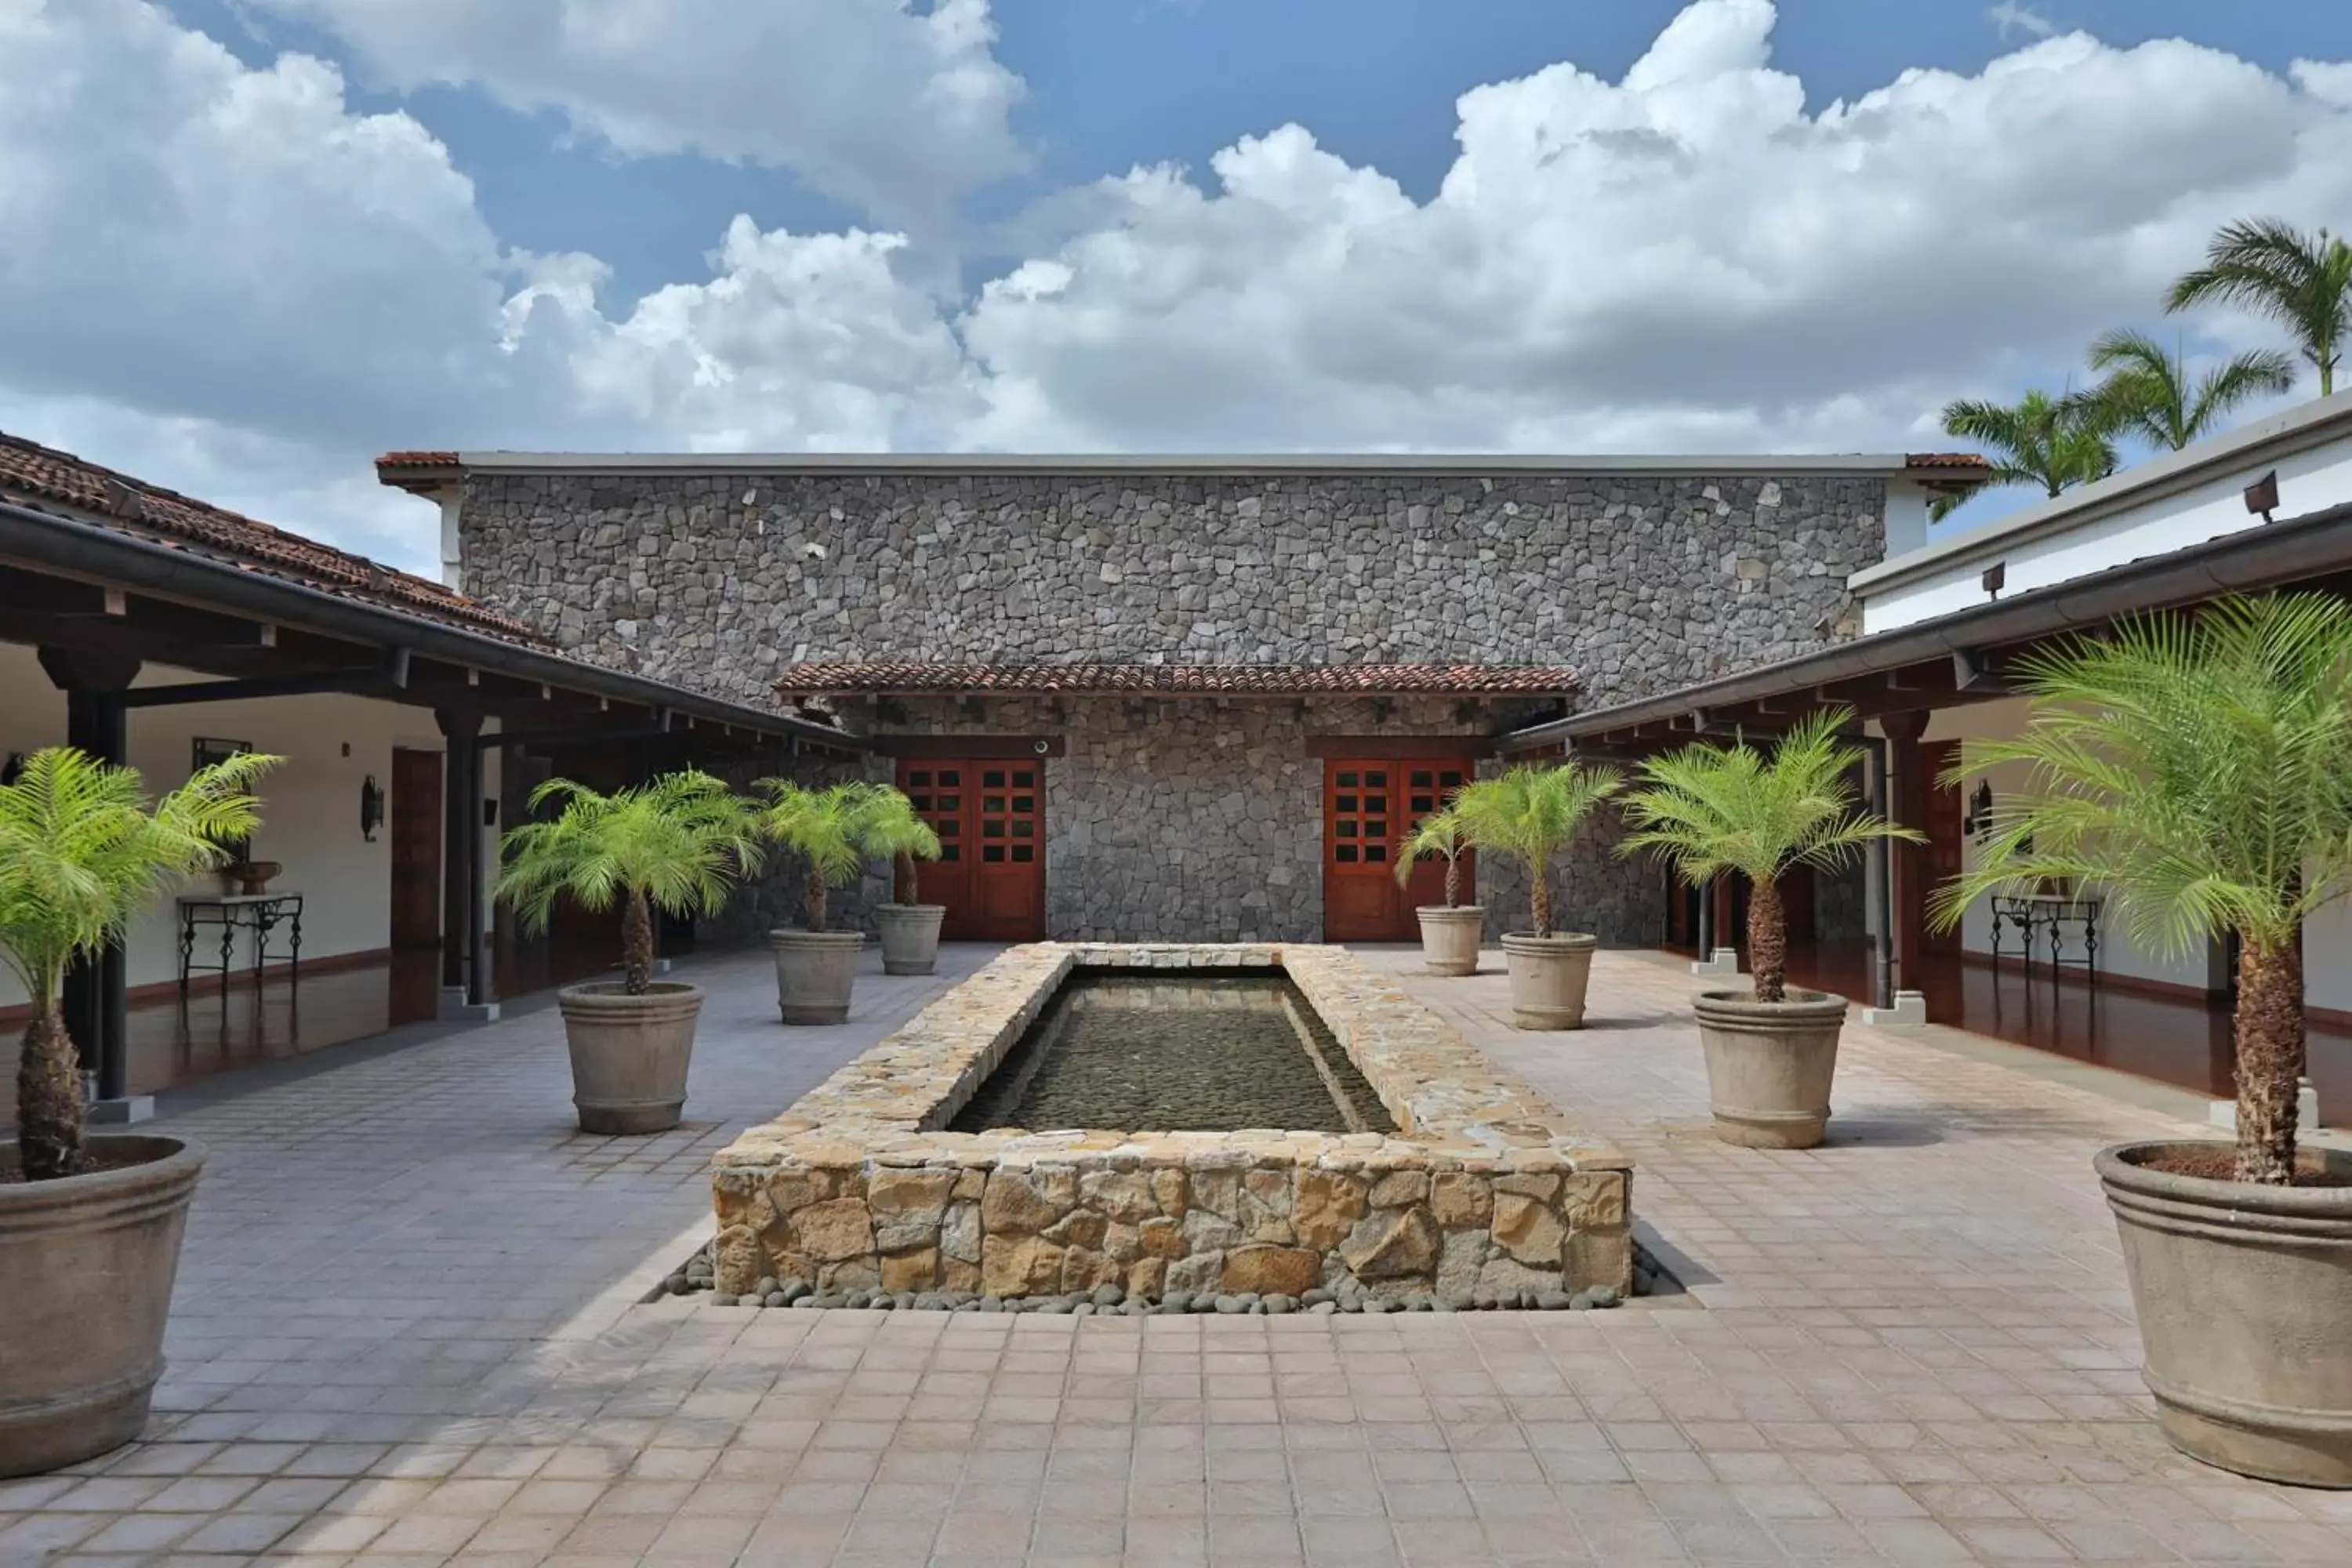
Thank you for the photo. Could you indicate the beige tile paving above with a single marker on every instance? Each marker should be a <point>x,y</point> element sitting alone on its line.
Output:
<point>405,1337</point>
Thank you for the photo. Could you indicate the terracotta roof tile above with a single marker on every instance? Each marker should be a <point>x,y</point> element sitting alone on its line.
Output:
<point>29,471</point>
<point>913,678</point>
<point>1945,460</point>
<point>417,460</point>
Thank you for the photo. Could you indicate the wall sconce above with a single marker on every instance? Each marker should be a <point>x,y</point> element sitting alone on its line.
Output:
<point>489,811</point>
<point>371,808</point>
<point>1979,820</point>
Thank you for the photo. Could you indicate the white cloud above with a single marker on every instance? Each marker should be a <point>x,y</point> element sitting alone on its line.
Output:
<point>227,279</point>
<point>898,110</point>
<point>2011,17</point>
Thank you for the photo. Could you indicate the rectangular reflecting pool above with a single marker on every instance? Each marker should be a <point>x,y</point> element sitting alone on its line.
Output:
<point>1217,1050</point>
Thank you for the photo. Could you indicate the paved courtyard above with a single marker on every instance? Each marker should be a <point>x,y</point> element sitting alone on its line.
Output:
<point>410,1331</point>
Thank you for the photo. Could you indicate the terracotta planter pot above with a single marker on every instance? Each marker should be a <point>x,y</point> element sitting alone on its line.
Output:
<point>910,937</point>
<point>85,1271</point>
<point>1769,1064</point>
<point>814,970</point>
<point>629,1054</point>
<point>2244,1299</point>
<point>1548,975</point>
<point>1449,937</point>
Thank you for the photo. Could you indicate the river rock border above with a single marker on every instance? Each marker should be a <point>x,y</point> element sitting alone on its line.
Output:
<point>1486,1193</point>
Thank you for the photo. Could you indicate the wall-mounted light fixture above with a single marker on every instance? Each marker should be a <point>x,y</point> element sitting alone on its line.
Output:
<point>14,769</point>
<point>1978,821</point>
<point>1996,578</point>
<point>2262,496</point>
<point>371,808</point>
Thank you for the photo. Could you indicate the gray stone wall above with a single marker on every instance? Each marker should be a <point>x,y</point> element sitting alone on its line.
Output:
<point>1197,819</point>
<point>719,581</point>
<point>1201,819</point>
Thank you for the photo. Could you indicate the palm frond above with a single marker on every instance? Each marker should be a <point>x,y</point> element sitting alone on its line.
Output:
<point>2303,282</point>
<point>1709,809</point>
<point>1532,812</point>
<point>682,840</point>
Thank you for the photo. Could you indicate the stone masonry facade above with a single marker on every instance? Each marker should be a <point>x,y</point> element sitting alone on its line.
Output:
<point>1484,1195</point>
<point>1196,818</point>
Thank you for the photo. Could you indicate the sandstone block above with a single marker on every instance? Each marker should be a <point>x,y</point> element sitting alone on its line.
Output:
<point>1162,1238</point>
<point>1395,1189</point>
<point>1391,1244</point>
<point>834,1230</point>
<point>1124,1195</point>
<point>1018,1201</point>
<point>1327,1205</point>
<point>1594,1198</point>
<point>1269,1270</point>
<point>916,1270</point>
<point>737,1259</point>
<point>1457,1198</point>
<point>919,1195</point>
<point>1020,1266</point>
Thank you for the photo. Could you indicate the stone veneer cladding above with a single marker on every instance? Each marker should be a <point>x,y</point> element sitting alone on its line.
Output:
<point>1195,818</point>
<point>1485,1191</point>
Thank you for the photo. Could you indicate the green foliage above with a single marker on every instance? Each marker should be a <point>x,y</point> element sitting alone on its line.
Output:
<point>678,841</point>
<point>1440,833</point>
<point>2149,391</point>
<point>1530,814</point>
<point>1712,809</point>
<point>830,829</point>
<point>893,827</point>
<point>2055,443</point>
<point>2199,768</point>
<point>81,852</point>
<point>2303,282</point>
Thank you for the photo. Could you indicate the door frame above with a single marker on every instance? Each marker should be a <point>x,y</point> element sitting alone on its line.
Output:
<point>1344,798</point>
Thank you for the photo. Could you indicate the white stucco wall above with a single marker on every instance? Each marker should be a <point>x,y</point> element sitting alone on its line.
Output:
<point>2162,519</point>
<point>311,818</point>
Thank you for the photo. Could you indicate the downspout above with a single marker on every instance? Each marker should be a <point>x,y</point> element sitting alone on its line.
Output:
<point>1878,877</point>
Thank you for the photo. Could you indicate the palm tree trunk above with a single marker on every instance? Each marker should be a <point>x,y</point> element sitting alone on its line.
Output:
<point>637,942</point>
<point>1539,898</point>
<point>903,879</point>
<point>48,1099</point>
<point>1453,881</point>
<point>1768,941</point>
<point>816,894</point>
<point>2270,1057</point>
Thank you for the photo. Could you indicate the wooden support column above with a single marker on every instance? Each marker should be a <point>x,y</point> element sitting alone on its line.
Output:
<point>97,992</point>
<point>461,860</point>
<point>1907,863</point>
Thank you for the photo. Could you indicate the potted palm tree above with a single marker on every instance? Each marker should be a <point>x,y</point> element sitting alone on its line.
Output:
<point>1770,1054</point>
<point>1449,931</point>
<point>675,843</point>
<point>2199,771</point>
<point>910,929</point>
<point>1530,814</point>
<point>828,829</point>
<point>89,1225</point>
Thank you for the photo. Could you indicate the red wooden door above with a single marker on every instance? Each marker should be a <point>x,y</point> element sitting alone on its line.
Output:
<point>1944,851</point>
<point>1368,805</point>
<point>989,814</point>
<point>414,817</point>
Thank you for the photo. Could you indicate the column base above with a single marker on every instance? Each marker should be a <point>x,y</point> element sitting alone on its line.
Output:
<point>1910,1012</point>
<point>2224,1113</point>
<point>1723,965</point>
<point>120,1112</point>
<point>453,1008</point>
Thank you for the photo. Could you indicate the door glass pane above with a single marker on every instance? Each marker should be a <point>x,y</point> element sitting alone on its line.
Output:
<point>920,802</point>
<point>1023,778</point>
<point>1346,780</point>
<point>919,780</point>
<point>991,828</point>
<point>1022,827</point>
<point>1025,803</point>
<point>1025,853</point>
<point>1421,778</point>
<point>1423,805</point>
<point>1345,828</point>
<point>1346,803</point>
<point>950,852</point>
<point>1377,781</point>
<point>1376,803</point>
<point>1376,852</point>
<point>949,777</point>
<point>992,779</point>
<point>993,852</point>
<point>1449,779</point>
<point>1376,828</point>
<point>1346,854</point>
<point>992,802</point>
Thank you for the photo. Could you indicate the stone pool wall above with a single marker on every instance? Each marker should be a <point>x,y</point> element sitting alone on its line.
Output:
<point>1487,1192</point>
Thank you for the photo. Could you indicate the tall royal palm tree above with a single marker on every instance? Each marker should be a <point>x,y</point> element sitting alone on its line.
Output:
<point>2303,282</point>
<point>2150,392</point>
<point>2053,442</point>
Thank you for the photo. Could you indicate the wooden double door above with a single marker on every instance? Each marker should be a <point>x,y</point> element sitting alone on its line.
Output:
<point>989,814</point>
<point>1369,803</point>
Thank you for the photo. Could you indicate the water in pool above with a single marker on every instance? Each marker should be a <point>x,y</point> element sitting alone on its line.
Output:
<point>1207,1051</point>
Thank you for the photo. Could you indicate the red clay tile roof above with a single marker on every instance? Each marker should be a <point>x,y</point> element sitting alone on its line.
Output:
<point>1945,460</point>
<point>912,678</point>
<point>30,473</point>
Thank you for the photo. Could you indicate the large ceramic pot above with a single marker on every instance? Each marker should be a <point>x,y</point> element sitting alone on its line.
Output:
<point>1769,1064</point>
<point>910,937</point>
<point>1449,937</point>
<point>86,1272</point>
<point>814,970</point>
<point>1549,974</point>
<point>629,1054</point>
<point>2244,1299</point>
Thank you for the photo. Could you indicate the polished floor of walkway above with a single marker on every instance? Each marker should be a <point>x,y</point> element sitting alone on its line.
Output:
<point>408,1333</point>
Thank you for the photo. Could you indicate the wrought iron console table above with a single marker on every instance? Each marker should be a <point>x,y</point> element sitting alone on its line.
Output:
<point>261,913</point>
<point>2055,913</point>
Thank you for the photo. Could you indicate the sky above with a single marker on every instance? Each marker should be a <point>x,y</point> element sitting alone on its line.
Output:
<point>252,243</point>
